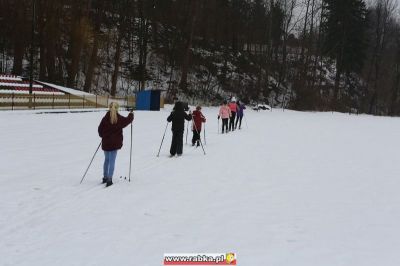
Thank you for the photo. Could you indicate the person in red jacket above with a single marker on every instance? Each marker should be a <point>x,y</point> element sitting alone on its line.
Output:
<point>233,106</point>
<point>110,130</point>
<point>198,120</point>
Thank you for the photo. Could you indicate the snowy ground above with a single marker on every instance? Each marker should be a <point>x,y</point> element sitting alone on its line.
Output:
<point>292,188</point>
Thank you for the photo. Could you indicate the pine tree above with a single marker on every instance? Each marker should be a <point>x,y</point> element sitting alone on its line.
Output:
<point>344,28</point>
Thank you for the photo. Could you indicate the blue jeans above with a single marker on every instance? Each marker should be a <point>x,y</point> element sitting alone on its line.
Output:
<point>109,163</point>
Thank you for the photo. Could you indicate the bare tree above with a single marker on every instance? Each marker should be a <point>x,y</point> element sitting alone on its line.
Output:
<point>188,45</point>
<point>383,14</point>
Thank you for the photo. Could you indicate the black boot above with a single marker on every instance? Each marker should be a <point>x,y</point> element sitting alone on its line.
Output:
<point>109,182</point>
<point>104,180</point>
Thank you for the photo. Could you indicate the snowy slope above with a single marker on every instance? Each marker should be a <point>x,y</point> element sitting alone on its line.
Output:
<point>292,188</point>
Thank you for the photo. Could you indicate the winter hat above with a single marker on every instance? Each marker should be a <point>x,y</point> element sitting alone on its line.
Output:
<point>233,99</point>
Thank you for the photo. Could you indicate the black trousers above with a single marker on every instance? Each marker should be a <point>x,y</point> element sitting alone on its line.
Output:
<point>225,124</point>
<point>238,120</point>
<point>196,137</point>
<point>232,122</point>
<point>177,142</point>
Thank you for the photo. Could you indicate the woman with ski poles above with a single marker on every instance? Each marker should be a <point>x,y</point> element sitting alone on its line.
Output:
<point>110,130</point>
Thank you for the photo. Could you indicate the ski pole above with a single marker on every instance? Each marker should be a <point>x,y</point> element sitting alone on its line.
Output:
<point>158,155</point>
<point>218,127</point>
<point>130,158</point>
<point>205,140</point>
<point>90,163</point>
<point>187,130</point>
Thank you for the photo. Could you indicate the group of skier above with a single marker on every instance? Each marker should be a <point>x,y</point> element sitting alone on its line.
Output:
<point>228,113</point>
<point>110,129</point>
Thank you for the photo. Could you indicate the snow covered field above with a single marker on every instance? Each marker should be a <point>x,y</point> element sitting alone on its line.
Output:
<point>292,188</point>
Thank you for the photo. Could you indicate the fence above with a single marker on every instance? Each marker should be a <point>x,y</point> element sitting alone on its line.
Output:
<point>14,101</point>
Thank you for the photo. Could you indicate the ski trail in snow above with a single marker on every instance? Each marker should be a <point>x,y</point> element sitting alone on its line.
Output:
<point>86,190</point>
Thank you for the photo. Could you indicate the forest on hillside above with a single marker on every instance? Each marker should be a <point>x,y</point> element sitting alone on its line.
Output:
<point>341,55</point>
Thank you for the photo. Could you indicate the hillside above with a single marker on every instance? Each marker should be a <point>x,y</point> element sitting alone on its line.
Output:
<point>314,55</point>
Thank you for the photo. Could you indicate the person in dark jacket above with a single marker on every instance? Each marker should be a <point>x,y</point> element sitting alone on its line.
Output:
<point>239,114</point>
<point>110,130</point>
<point>198,120</point>
<point>177,117</point>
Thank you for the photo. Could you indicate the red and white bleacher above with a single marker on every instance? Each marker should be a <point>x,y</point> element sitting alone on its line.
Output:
<point>10,78</point>
<point>16,85</point>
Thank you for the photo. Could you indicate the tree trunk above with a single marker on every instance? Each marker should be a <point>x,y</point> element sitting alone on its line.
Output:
<point>19,49</point>
<point>19,41</point>
<point>144,55</point>
<point>304,33</point>
<point>41,22</point>
<point>75,53</point>
<point>395,91</point>
<point>337,83</point>
<point>93,57</point>
<point>117,61</point>
<point>51,50</point>
<point>188,46</point>
<point>76,42</point>
<point>92,64</point>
